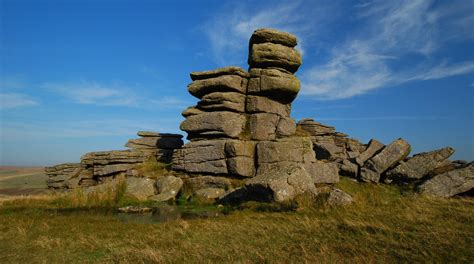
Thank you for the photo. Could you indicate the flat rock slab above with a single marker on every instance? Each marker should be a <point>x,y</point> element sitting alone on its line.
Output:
<point>421,164</point>
<point>374,146</point>
<point>450,183</point>
<point>150,142</point>
<point>224,124</point>
<point>388,157</point>
<point>229,83</point>
<point>277,84</point>
<point>263,35</point>
<point>157,134</point>
<point>204,156</point>
<point>231,70</point>
<point>269,54</point>
<point>314,128</point>
<point>229,101</point>
<point>295,149</point>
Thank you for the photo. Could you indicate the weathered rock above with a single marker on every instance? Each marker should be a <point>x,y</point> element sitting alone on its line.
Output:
<point>216,124</point>
<point>338,197</point>
<point>322,172</point>
<point>203,182</point>
<point>274,83</point>
<point>421,164</point>
<point>385,159</point>
<point>315,128</point>
<point>169,184</point>
<point>280,182</point>
<point>228,101</point>
<point>207,195</point>
<point>225,83</point>
<point>59,175</point>
<point>150,142</point>
<point>268,54</point>
<point>286,127</point>
<point>240,157</point>
<point>347,168</point>
<point>373,148</point>
<point>296,149</point>
<point>157,134</point>
<point>231,70</point>
<point>205,156</point>
<point>261,104</point>
<point>450,183</point>
<point>103,170</point>
<point>140,188</point>
<point>192,110</point>
<point>125,156</point>
<point>263,126</point>
<point>274,36</point>
<point>328,151</point>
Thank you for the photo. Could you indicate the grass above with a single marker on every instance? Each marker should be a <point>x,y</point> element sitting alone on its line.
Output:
<point>154,169</point>
<point>22,180</point>
<point>383,225</point>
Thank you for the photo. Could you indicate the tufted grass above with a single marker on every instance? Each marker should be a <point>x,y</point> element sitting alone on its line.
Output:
<point>384,225</point>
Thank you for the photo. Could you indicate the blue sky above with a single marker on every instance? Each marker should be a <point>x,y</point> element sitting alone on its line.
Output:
<point>80,76</point>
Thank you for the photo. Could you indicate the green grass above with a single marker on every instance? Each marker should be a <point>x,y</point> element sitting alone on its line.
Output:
<point>384,225</point>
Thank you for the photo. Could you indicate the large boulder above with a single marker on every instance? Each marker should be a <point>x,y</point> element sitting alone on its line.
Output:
<point>263,126</point>
<point>231,70</point>
<point>277,84</point>
<point>263,35</point>
<point>214,124</point>
<point>140,188</point>
<point>155,142</point>
<point>262,104</point>
<point>373,148</point>
<point>167,188</point>
<point>286,127</point>
<point>280,182</point>
<point>385,159</point>
<point>263,55</point>
<point>60,175</point>
<point>240,157</point>
<point>228,101</point>
<point>293,149</point>
<point>421,164</point>
<point>315,128</point>
<point>450,183</point>
<point>224,83</point>
<point>204,156</point>
<point>322,172</point>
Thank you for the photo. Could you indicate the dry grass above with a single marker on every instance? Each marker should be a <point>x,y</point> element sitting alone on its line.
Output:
<point>384,225</point>
<point>153,169</point>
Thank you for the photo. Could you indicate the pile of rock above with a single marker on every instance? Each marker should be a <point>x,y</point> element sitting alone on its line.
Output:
<point>244,145</point>
<point>432,172</point>
<point>241,128</point>
<point>99,167</point>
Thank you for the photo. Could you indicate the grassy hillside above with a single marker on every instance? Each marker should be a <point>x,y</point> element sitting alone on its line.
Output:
<point>384,225</point>
<point>22,180</point>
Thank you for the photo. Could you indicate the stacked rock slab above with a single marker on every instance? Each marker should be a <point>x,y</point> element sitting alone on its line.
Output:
<point>99,167</point>
<point>242,127</point>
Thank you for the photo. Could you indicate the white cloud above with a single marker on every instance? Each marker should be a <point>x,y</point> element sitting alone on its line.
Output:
<point>394,29</point>
<point>94,93</point>
<point>15,100</point>
<point>230,31</point>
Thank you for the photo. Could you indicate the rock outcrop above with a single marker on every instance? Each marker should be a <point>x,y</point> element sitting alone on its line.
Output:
<point>99,167</point>
<point>241,128</point>
<point>244,145</point>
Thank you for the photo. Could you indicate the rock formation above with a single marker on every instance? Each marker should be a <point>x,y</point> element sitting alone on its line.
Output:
<point>244,145</point>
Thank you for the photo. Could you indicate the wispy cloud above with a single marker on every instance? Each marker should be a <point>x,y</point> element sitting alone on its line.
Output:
<point>394,29</point>
<point>95,93</point>
<point>85,128</point>
<point>230,31</point>
<point>16,100</point>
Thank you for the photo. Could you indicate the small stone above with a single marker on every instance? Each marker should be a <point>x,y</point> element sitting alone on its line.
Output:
<point>338,197</point>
